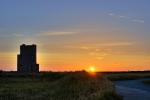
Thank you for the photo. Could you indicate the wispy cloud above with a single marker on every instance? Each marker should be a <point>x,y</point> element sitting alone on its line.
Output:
<point>18,34</point>
<point>135,20</point>
<point>116,44</point>
<point>55,33</point>
<point>121,16</point>
<point>99,58</point>
<point>111,14</point>
<point>98,55</point>
<point>97,46</point>
<point>138,21</point>
<point>23,34</point>
<point>117,16</point>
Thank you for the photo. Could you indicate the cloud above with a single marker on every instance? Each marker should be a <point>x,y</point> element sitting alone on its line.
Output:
<point>27,34</point>
<point>24,34</point>
<point>111,14</point>
<point>117,16</point>
<point>100,58</point>
<point>98,55</point>
<point>138,20</point>
<point>116,44</point>
<point>84,48</point>
<point>135,20</point>
<point>18,35</point>
<point>121,16</point>
<point>55,33</point>
<point>97,46</point>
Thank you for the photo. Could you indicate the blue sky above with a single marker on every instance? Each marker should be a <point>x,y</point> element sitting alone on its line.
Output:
<point>28,15</point>
<point>58,24</point>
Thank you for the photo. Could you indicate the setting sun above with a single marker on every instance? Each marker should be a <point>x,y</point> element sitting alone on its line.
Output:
<point>92,69</point>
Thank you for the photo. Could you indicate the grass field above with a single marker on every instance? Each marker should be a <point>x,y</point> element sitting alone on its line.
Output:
<point>56,86</point>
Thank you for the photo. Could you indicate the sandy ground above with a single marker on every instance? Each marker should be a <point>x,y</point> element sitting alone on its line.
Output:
<point>133,93</point>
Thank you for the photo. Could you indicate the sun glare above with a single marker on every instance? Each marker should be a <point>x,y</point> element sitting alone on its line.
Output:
<point>92,69</point>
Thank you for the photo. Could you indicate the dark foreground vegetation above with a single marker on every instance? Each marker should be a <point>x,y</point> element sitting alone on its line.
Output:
<point>56,86</point>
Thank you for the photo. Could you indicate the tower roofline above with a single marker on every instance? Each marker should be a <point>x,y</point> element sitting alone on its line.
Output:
<point>28,45</point>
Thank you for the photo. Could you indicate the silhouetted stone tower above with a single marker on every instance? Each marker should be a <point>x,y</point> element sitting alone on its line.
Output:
<point>26,60</point>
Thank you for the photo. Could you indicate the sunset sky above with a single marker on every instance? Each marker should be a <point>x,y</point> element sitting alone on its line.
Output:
<point>111,35</point>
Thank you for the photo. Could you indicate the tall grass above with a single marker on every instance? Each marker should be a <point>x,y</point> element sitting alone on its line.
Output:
<point>57,86</point>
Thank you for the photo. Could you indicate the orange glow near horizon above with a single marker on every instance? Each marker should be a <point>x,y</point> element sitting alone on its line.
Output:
<point>71,62</point>
<point>66,62</point>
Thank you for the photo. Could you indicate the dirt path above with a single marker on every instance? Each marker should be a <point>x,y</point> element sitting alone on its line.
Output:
<point>133,93</point>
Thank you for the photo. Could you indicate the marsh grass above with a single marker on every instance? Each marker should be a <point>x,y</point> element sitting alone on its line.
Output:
<point>56,86</point>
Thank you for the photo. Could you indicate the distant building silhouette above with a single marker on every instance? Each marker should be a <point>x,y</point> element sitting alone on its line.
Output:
<point>26,60</point>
